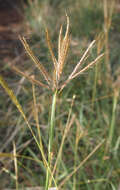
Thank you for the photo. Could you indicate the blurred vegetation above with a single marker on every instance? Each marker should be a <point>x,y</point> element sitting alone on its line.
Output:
<point>96,107</point>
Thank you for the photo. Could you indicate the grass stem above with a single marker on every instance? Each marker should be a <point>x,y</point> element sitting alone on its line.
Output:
<point>51,135</point>
<point>112,126</point>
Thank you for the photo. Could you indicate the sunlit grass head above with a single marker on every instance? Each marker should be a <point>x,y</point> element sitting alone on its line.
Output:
<point>53,79</point>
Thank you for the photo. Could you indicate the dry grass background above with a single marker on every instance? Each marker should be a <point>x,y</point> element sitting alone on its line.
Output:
<point>95,110</point>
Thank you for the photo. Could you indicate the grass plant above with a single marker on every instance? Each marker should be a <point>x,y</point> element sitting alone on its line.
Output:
<point>53,83</point>
<point>72,138</point>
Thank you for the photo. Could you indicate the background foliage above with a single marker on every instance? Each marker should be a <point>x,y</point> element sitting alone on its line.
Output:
<point>96,106</point>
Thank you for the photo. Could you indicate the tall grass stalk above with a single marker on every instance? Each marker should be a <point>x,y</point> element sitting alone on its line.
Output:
<point>108,11</point>
<point>97,76</point>
<point>51,135</point>
<point>79,135</point>
<point>36,116</point>
<point>69,123</point>
<point>15,163</point>
<point>112,125</point>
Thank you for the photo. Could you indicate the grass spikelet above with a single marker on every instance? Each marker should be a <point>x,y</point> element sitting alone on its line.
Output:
<point>33,80</point>
<point>53,59</point>
<point>88,66</point>
<point>63,45</point>
<point>82,59</point>
<point>59,43</point>
<point>51,50</point>
<point>35,60</point>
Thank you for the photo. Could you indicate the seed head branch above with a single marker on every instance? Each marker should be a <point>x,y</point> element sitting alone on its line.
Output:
<point>63,45</point>
<point>35,60</point>
<point>88,66</point>
<point>81,71</point>
<point>50,49</point>
<point>82,59</point>
<point>53,59</point>
<point>59,44</point>
<point>29,78</point>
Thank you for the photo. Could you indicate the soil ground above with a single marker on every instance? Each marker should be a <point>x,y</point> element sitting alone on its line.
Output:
<point>11,19</point>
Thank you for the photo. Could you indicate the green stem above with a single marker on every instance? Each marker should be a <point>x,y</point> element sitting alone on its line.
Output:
<point>51,135</point>
<point>112,126</point>
<point>111,132</point>
<point>95,85</point>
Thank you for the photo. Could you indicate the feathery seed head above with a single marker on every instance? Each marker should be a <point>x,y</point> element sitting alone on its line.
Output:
<point>53,82</point>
